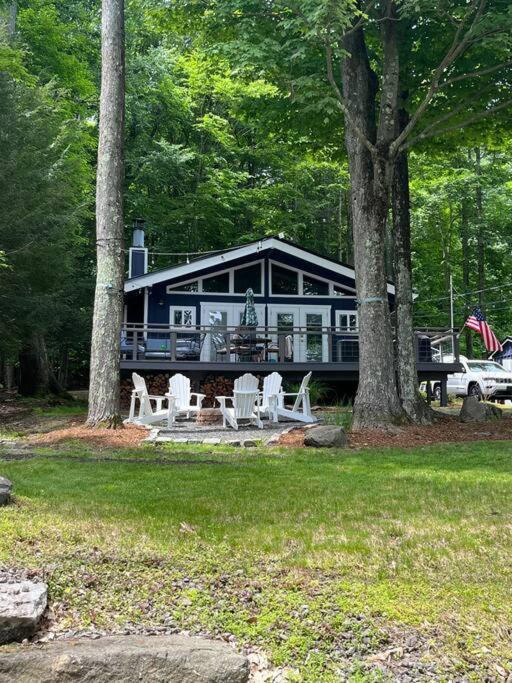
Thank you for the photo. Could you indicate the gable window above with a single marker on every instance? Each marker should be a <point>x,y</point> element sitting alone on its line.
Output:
<point>216,284</point>
<point>313,287</point>
<point>284,281</point>
<point>249,276</point>
<point>339,291</point>
<point>187,287</point>
<point>346,321</point>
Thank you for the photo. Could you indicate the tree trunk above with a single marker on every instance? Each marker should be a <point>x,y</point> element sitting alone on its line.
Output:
<point>481,236</point>
<point>104,406</point>
<point>36,376</point>
<point>466,268</point>
<point>376,405</point>
<point>414,405</point>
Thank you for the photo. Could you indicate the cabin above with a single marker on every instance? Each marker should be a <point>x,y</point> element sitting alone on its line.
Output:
<point>504,357</point>
<point>189,317</point>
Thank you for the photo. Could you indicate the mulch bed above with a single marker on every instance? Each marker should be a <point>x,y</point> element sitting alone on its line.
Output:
<point>129,436</point>
<point>447,430</point>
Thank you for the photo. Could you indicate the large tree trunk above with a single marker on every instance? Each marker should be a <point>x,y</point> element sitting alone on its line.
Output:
<point>481,235</point>
<point>466,268</point>
<point>414,405</point>
<point>376,405</point>
<point>36,376</point>
<point>104,408</point>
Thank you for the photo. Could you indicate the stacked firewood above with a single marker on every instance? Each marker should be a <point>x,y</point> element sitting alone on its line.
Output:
<point>216,385</point>
<point>157,384</point>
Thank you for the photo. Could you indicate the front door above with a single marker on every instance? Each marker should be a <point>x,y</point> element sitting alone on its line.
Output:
<point>223,315</point>
<point>283,321</point>
<point>302,327</point>
<point>314,340</point>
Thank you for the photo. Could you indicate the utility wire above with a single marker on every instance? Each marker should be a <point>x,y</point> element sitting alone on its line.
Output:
<point>475,291</point>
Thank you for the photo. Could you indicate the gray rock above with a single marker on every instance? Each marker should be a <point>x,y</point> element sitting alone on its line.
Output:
<point>474,410</point>
<point>22,605</point>
<point>5,490</point>
<point>126,659</point>
<point>326,436</point>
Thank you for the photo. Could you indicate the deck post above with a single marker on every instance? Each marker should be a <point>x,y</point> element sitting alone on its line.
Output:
<point>135,345</point>
<point>227,338</point>
<point>174,339</point>
<point>281,343</point>
<point>329,344</point>
<point>456,346</point>
<point>444,393</point>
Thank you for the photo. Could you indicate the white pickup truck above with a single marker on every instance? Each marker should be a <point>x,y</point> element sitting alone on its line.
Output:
<point>481,378</point>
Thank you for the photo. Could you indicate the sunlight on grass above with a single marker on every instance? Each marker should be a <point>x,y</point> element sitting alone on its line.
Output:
<point>409,537</point>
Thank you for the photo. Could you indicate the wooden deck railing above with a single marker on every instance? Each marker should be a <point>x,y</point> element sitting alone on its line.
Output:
<point>268,344</point>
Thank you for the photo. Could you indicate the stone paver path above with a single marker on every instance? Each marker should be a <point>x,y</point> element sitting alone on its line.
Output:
<point>188,431</point>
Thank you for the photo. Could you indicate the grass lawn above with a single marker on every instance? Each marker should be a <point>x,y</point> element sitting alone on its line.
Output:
<point>331,562</point>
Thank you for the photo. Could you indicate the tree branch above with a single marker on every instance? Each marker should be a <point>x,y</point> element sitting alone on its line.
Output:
<point>341,101</point>
<point>453,112</point>
<point>457,46</point>
<point>475,74</point>
<point>458,126</point>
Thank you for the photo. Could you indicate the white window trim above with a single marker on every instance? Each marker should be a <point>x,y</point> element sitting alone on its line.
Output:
<point>338,326</point>
<point>170,288</point>
<point>176,272</point>
<point>301,294</point>
<point>172,309</point>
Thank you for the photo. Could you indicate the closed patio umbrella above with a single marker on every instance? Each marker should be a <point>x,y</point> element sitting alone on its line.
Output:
<point>249,317</point>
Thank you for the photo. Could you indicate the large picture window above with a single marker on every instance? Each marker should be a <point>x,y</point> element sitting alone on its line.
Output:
<point>313,287</point>
<point>248,277</point>
<point>217,283</point>
<point>284,281</point>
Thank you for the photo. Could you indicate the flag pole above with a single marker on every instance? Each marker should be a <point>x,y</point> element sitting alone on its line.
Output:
<point>451,314</point>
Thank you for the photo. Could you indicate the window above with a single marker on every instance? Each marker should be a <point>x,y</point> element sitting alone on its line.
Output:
<point>284,281</point>
<point>217,284</point>
<point>248,277</point>
<point>313,287</point>
<point>339,291</point>
<point>183,316</point>
<point>188,287</point>
<point>346,321</point>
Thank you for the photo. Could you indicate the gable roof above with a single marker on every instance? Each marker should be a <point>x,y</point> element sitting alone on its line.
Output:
<point>227,256</point>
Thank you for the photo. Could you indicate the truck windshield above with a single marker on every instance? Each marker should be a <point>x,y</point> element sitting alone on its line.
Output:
<point>485,366</point>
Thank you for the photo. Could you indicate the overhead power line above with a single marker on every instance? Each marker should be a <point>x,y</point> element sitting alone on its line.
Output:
<point>462,294</point>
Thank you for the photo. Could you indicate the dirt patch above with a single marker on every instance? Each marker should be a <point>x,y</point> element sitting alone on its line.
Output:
<point>129,436</point>
<point>447,430</point>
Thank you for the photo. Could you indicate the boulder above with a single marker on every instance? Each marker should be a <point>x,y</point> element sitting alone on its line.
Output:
<point>5,490</point>
<point>22,604</point>
<point>474,410</point>
<point>326,436</point>
<point>159,659</point>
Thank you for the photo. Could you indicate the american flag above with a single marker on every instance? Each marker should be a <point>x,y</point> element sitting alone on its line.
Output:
<point>477,322</point>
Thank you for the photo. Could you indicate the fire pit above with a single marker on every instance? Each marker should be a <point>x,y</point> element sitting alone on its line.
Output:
<point>209,416</point>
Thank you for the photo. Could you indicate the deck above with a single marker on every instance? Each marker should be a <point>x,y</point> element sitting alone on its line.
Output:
<point>332,353</point>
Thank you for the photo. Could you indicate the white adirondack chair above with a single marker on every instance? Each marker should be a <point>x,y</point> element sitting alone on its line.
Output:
<point>147,415</point>
<point>179,387</point>
<point>271,395</point>
<point>245,402</point>
<point>301,409</point>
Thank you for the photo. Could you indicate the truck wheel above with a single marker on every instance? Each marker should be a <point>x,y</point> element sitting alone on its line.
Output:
<point>437,392</point>
<point>474,390</point>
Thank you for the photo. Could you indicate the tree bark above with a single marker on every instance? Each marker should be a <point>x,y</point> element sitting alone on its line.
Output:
<point>466,268</point>
<point>412,401</point>
<point>480,226</point>
<point>104,405</point>
<point>36,376</point>
<point>376,405</point>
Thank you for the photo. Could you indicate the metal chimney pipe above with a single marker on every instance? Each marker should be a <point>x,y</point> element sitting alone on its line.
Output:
<point>138,232</point>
